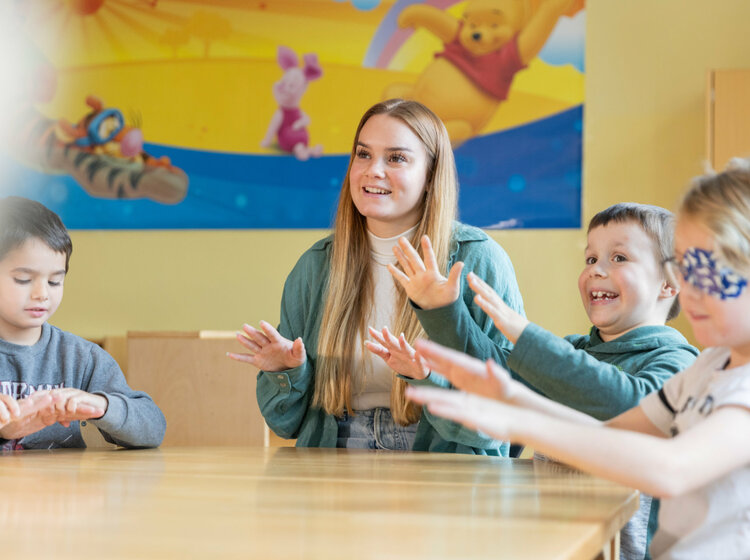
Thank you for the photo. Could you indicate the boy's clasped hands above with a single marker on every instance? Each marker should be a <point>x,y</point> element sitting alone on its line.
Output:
<point>19,418</point>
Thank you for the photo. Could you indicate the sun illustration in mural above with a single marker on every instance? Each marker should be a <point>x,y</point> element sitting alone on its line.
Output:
<point>85,7</point>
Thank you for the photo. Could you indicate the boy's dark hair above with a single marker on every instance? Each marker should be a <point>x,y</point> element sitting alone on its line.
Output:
<point>657,222</point>
<point>22,219</point>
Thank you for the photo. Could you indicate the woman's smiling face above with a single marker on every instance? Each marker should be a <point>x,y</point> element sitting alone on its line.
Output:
<point>388,176</point>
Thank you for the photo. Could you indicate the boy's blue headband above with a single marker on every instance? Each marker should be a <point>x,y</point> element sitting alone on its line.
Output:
<point>706,272</point>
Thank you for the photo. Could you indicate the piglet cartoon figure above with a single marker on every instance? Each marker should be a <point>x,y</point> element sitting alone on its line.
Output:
<point>289,123</point>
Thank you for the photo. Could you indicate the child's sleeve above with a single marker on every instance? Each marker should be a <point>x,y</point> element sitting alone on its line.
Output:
<point>284,396</point>
<point>571,376</point>
<point>132,418</point>
<point>463,326</point>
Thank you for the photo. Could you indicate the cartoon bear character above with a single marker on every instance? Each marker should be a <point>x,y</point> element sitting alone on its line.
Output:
<point>467,81</point>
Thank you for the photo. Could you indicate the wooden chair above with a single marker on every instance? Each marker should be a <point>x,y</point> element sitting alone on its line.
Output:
<point>207,398</point>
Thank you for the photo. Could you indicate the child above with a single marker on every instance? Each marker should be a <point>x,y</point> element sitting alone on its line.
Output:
<point>317,383</point>
<point>686,443</point>
<point>629,351</point>
<point>55,378</point>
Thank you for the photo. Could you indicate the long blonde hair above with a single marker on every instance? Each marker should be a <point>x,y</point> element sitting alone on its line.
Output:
<point>349,293</point>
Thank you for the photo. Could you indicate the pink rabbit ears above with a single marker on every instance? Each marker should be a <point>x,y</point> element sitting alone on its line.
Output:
<point>287,59</point>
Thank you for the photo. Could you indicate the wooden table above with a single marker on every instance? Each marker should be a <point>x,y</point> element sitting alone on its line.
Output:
<point>301,503</point>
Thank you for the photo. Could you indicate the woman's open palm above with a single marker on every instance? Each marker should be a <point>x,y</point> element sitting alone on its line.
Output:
<point>269,350</point>
<point>422,280</point>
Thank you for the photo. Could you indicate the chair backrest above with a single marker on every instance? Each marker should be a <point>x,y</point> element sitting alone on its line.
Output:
<point>207,398</point>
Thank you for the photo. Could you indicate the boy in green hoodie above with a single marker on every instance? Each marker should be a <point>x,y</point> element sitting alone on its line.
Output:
<point>629,351</point>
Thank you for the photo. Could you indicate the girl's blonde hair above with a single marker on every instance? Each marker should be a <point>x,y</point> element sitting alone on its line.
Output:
<point>721,202</point>
<point>349,293</point>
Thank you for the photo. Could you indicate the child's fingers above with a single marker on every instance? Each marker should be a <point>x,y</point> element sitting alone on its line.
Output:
<point>71,405</point>
<point>453,405</point>
<point>441,357</point>
<point>481,287</point>
<point>10,405</point>
<point>486,306</point>
<point>84,411</point>
<point>426,395</point>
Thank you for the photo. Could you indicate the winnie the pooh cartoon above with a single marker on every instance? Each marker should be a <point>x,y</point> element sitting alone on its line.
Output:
<point>467,81</point>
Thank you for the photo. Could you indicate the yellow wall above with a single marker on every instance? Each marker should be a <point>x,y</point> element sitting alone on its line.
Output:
<point>644,138</point>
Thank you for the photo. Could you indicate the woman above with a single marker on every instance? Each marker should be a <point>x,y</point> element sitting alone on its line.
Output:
<point>317,383</point>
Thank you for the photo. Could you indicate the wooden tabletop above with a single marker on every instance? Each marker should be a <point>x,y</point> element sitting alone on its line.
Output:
<point>301,503</point>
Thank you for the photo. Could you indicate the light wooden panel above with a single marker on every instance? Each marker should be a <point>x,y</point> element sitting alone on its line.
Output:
<point>728,116</point>
<point>207,398</point>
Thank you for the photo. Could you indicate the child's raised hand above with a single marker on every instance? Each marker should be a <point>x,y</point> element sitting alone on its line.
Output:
<point>269,350</point>
<point>491,417</point>
<point>508,321</point>
<point>397,353</point>
<point>467,373</point>
<point>422,280</point>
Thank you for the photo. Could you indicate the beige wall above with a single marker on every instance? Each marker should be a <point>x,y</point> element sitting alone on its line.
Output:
<point>644,138</point>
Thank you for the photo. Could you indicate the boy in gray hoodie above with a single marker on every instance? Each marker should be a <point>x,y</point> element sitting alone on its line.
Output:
<point>53,380</point>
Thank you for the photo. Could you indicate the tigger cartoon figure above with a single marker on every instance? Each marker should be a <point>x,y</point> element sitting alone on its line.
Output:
<point>101,152</point>
<point>103,131</point>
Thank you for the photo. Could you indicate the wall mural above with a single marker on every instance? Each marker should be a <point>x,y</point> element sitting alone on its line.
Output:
<point>131,114</point>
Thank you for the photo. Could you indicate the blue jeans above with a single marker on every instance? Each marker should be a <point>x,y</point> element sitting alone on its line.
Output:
<point>374,429</point>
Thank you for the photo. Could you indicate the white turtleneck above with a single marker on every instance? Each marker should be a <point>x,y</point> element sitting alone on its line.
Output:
<point>371,384</point>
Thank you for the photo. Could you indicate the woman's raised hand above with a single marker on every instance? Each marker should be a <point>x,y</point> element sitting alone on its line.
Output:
<point>422,280</point>
<point>269,350</point>
<point>508,321</point>
<point>397,353</point>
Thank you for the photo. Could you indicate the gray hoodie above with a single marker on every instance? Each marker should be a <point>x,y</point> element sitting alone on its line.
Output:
<point>61,359</point>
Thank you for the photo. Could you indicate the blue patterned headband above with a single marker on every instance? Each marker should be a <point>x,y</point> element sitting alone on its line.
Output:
<point>706,272</point>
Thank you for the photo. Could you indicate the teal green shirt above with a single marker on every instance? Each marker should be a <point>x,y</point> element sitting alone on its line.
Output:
<point>602,379</point>
<point>285,397</point>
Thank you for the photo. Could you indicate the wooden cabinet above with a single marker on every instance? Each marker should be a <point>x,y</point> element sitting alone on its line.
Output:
<point>207,398</point>
<point>728,114</point>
